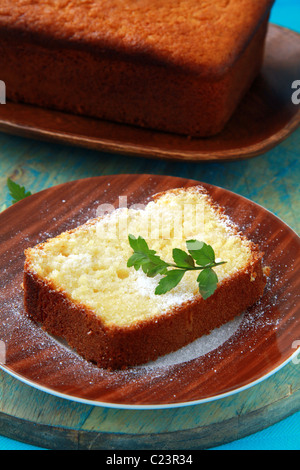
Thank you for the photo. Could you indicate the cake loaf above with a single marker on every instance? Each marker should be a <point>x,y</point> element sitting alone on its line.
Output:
<point>80,286</point>
<point>174,66</point>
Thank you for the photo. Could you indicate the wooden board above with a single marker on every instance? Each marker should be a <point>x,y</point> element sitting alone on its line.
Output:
<point>265,117</point>
<point>46,420</point>
<point>40,419</point>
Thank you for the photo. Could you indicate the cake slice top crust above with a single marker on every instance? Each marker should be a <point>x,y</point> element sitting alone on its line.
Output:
<point>204,35</point>
<point>89,264</point>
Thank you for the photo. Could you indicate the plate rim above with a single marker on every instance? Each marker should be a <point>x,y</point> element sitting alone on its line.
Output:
<point>123,406</point>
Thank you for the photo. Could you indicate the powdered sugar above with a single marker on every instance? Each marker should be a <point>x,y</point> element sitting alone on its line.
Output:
<point>146,287</point>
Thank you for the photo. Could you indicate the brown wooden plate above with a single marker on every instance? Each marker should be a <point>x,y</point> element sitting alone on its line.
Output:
<point>228,360</point>
<point>265,117</point>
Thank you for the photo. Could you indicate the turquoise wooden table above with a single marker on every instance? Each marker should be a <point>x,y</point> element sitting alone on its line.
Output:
<point>271,180</point>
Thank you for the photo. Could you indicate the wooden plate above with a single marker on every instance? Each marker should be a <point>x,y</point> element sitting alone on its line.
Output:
<point>265,117</point>
<point>262,341</point>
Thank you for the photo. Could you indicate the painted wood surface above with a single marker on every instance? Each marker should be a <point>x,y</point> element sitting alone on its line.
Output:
<point>40,419</point>
<point>271,179</point>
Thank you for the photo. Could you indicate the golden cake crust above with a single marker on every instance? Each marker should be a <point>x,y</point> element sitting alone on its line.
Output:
<point>202,35</point>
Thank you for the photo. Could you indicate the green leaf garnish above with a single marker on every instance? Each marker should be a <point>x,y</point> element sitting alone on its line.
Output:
<point>16,191</point>
<point>182,258</point>
<point>145,258</point>
<point>207,281</point>
<point>171,279</point>
<point>202,253</point>
<point>200,256</point>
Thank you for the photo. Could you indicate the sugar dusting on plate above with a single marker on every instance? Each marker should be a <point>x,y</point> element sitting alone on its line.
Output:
<point>199,347</point>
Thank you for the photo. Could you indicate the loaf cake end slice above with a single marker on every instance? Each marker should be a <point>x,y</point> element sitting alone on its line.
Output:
<point>79,286</point>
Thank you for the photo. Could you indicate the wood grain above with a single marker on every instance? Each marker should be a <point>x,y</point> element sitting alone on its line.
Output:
<point>263,343</point>
<point>265,117</point>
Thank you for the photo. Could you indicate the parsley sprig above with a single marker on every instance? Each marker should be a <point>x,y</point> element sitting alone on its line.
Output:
<point>199,256</point>
<point>16,191</point>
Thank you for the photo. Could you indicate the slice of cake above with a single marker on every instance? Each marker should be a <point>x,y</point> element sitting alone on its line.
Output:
<point>81,287</point>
